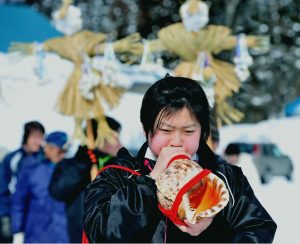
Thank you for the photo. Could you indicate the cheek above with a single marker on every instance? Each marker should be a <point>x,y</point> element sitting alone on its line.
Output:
<point>35,142</point>
<point>191,144</point>
<point>31,144</point>
<point>39,140</point>
<point>157,142</point>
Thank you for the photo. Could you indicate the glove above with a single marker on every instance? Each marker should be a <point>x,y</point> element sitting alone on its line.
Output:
<point>5,227</point>
<point>18,238</point>
<point>86,155</point>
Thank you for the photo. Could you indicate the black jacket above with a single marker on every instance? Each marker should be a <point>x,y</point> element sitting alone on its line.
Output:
<point>122,207</point>
<point>69,179</point>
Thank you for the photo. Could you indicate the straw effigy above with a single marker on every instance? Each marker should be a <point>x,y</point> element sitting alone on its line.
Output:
<point>212,40</point>
<point>70,102</point>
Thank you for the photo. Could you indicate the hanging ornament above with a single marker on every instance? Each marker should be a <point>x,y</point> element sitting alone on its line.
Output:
<point>40,68</point>
<point>242,58</point>
<point>89,79</point>
<point>67,19</point>
<point>111,68</point>
<point>150,64</point>
<point>204,73</point>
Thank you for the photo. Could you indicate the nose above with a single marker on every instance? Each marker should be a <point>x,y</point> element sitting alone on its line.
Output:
<point>176,140</point>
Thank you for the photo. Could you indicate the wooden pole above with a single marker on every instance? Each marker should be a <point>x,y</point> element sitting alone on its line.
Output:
<point>91,145</point>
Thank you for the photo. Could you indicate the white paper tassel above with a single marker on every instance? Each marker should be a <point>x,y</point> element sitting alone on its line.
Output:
<point>71,23</point>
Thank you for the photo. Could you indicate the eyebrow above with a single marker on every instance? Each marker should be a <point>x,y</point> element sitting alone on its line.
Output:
<point>184,127</point>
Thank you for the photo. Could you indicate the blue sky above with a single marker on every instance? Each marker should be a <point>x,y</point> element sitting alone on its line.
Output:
<point>21,23</point>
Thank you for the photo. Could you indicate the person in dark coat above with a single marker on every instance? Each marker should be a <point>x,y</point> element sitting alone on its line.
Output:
<point>36,216</point>
<point>121,206</point>
<point>9,170</point>
<point>71,177</point>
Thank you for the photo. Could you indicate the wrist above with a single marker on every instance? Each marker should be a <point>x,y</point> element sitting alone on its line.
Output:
<point>152,175</point>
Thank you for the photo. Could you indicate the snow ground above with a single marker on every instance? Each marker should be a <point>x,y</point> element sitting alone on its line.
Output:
<point>280,197</point>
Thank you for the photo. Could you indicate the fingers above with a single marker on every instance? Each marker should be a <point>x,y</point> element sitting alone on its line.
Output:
<point>197,228</point>
<point>164,157</point>
<point>182,228</point>
<point>170,152</point>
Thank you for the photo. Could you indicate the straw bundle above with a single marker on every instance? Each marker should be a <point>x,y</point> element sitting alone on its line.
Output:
<point>175,38</point>
<point>228,114</point>
<point>212,40</point>
<point>64,8</point>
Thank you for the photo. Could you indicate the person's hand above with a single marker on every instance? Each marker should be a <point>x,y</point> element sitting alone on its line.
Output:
<point>5,229</point>
<point>18,238</point>
<point>164,157</point>
<point>197,228</point>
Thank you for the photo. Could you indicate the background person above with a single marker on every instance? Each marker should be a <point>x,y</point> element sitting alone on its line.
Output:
<point>122,207</point>
<point>36,216</point>
<point>71,177</point>
<point>244,160</point>
<point>9,170</point>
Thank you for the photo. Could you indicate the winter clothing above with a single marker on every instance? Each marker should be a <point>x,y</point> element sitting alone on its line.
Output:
<point>9,170</point>
<point>68,182</point>
<point>34,211</point>
<point>69,179</point>
<point>122,207</point>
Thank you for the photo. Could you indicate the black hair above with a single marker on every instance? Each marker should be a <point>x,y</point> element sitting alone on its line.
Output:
<point>232,149</point>
<point>170,95</point>
<point>112,123</point>
<point>30,127</point>
<point>214,131</point>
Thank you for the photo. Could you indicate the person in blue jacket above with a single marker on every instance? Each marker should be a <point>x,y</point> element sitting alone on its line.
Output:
<point>36,216</point>
<point>9,169</point>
